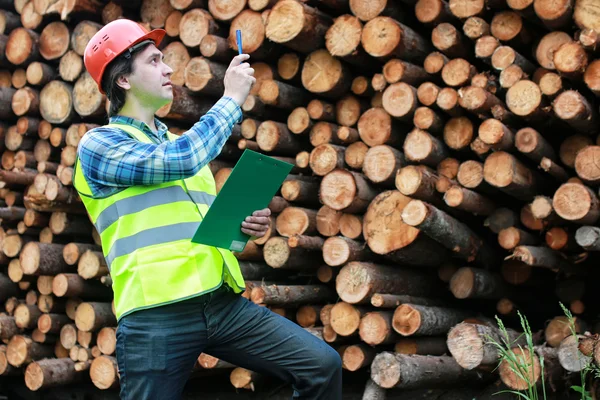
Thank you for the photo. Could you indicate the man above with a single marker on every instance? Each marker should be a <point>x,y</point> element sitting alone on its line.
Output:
<point>146,191</point>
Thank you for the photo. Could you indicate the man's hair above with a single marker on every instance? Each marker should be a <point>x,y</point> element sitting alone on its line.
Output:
<point>122,65</point>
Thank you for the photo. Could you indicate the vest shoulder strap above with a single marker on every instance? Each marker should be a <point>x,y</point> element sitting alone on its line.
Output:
<point>138,134</point>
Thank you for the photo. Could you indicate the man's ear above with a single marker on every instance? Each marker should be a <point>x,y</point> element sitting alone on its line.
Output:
<point>123,82</point>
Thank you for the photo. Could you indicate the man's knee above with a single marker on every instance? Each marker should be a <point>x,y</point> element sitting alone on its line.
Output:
<point>330,362</point>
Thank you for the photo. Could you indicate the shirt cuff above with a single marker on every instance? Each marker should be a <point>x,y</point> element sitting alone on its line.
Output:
<point>228,109</point>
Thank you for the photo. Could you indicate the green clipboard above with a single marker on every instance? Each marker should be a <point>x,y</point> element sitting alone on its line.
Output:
<point>251,185</point>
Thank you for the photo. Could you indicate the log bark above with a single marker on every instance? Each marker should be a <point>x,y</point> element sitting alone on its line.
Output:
<point>506,173</point>
<point>22,350</point>
<point>293,295</point>
<point>358,281</point>
<point>427,119</point>
<point>92,264</point>
<point>357,356</point>
<point>512,237</point>
<point>184,106</point>
<point>278,254</point>
<point>448,40</point>
<point>396,240</point>
<point>472,345</point>
<point>475,283</point>
<point>496,135</point>
<point>73,285</point>
<point>215,48</point>
<point>449,232</point>
<point>301,190</point>
<point>298,26</point>
<point>382,300</point>
<point>392,370</point>
<point>546,258</point>
<point>42,259</point>
<point>531,143</point>
<point>569,356</point>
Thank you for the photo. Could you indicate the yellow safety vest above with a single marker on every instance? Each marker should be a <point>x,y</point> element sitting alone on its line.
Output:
<point>146,234</point>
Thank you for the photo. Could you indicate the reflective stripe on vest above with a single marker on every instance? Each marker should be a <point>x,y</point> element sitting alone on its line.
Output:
<point>146,236</point>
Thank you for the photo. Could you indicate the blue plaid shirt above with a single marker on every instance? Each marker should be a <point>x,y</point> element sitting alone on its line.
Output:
<point>112,160</point>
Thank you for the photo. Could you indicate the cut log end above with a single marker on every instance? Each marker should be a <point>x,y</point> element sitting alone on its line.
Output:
<point>407,320</point>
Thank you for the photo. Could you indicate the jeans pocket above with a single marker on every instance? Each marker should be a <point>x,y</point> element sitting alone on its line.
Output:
<point>144,351</point>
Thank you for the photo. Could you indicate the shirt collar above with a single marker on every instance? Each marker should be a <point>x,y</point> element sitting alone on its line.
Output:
<point>161,127</point>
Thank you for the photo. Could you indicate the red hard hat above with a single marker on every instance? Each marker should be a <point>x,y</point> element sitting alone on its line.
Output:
<point>113,39</point>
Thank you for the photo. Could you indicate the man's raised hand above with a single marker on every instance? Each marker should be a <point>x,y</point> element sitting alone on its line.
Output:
<point>239,79</point>
<point>257,224</point>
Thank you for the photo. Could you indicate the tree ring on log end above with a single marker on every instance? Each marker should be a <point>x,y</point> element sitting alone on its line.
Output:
<point>399,99</point>
<point>34,376</point>
<point>338,189</point>
<point>456,72</point>
<point>464,9</point>
<point>587,163</point>
<point>406,320</point>
<point>335,251</point>
<point>388,370</point>
<point>506,25</point>
<point>18,46</point>
<point>87,98</point>
<point>285,21</point>
<point>372,328</point>
<point>276,252</point>
<point>499,169</point>
<point>414,213</point>
<point>343,37</point>
<point>421,144</point>
<point>344,318</point>
<point>375,126</point>
<point>194,25</point>
<point>380,36</point>
<point>267,135</point>
<point>524,97</point>
<point>321,71</point>
<point>353,358</point>
<point>56,102</point>
<point>17,350</point>
<point>381,160</point>
<point>465,336</point>
<point>30,258</point>
<point>102,372</point>
<point>85,317</point>
<point>458,132</point>
<point>253,31</point>
<point>531,365</point>
<point>586,14</point>
<point>470,174</point>
<point>383,227</point>
<point>572,201</point>
<point>462,283</point>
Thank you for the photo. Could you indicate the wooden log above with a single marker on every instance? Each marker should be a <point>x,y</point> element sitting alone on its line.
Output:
<point>331,85</point>
<point>448,40</point>
<point>324,132</point>
<point>278,254</point>
<point>412,319</point>
<point>511,237</point>
<point>475,283</point>
<point>531,143</point>
<point>344,320</point>
<point>525,100</point>
<point>537,256</point>
<point>400,101</point>
<point>357,356</point>
<point>381,164</point>
<point>571,107</point>
<point>348,110</point>
<point>320,110</point>
<point>56,102</point>
<point>291,295</point>
<point>339,250</point>
<point>384,37</point>
<point>497,135</point>
<point>296,221</point>
<point>569,356</point>
<point>588,237</point>
<point>22,46</point>
<point>476,27</point>
<point>428,120</point>
<point>92,264</point>
<point>346,190</point>
<point>421,147</point>
<point>591,77</point>
<point>91,316</point>
<point>376,328</point>
<point>506,173</point>
<point>376,127</point>
<point>448,101</point>
<point>354,155</point>
<point>398,241</point>
<point>472,345</point>
<point>382,300</point>
<point>392,370</point>
<point>305,35</point>
<point>328,221</point>
<point>576,202</point>
<point>358,281</point>
<point>22,350</point>
<point>103,372</point>
<point>326,158</point>
<point>427,93</point>
<point>73,285</point>
<point>298,121</point>
<point>449,232</point>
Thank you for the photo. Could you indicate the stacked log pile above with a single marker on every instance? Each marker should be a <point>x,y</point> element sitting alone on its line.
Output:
<point>444,172</point>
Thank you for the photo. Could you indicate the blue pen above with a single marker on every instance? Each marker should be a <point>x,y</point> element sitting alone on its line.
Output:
<point>238,35</point>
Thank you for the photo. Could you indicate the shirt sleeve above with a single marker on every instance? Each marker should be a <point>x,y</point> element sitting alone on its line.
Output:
<point>110,157</point>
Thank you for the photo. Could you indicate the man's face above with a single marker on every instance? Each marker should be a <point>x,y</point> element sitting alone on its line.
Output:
<point>150,81</point>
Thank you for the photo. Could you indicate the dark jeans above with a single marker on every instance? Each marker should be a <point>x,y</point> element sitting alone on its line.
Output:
<point>157,347</point>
